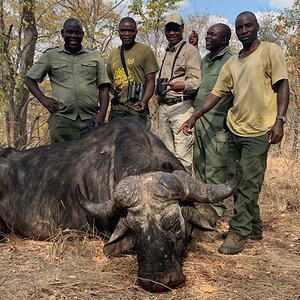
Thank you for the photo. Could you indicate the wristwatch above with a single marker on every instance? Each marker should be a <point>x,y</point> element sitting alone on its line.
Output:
<point>283,119</point>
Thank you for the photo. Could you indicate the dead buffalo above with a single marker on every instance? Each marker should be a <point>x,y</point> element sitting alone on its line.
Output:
<point>120,180</point>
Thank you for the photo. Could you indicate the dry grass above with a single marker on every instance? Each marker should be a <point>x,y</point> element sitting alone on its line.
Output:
<point>72,266</point>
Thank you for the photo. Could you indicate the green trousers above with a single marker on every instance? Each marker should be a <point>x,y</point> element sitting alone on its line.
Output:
<point>143,117</point>
<point>252,153</point>
<point>210,157</point>
<point>64,129</point>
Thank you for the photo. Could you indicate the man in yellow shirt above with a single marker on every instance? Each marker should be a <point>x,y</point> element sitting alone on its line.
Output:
<point>257,77</point>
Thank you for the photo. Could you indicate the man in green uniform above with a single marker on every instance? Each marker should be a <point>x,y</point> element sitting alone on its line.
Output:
<point>210,144</point>
<point>131,67</point>
<point>78,78</point>
<point>257,76</point>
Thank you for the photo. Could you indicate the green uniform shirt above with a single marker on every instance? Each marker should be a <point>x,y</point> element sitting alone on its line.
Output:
<point>210,69</point>
<point>140,61</point>
<point>74,79</point>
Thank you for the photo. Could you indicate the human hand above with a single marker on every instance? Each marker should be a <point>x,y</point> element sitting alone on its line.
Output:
<point>51,104</point>
<point>276,133</point>
<point>193,38</point>
<point>187,126</point>
<point>115,89</point>
<point>177,86</point>
<point>140,106</point>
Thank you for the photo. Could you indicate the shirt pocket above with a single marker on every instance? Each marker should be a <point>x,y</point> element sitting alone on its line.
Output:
<point>88,70</point>
<point>60,71</point>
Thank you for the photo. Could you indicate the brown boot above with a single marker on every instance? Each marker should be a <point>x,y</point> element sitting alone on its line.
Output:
<point>254,235</point>
<point>233,244</point>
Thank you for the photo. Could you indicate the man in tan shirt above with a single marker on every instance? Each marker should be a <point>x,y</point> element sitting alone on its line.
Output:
<point>180,72</point>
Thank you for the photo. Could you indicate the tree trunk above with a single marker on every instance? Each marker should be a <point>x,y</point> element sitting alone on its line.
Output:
<point>28,43</point>
<point>7,81</point>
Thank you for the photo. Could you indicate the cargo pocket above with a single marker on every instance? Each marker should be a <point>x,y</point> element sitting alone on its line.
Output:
<point>222,143</point>
<point>89,70</point>
<point>60,71</point>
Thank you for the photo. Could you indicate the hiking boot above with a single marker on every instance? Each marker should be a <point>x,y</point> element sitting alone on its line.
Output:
<point>255,235</point>
<point>233,244</point>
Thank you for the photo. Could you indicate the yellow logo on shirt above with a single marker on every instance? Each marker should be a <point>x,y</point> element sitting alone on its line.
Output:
<point>130,61</point>
<point>120,77</point>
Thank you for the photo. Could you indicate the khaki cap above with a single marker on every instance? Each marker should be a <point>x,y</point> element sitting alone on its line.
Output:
<point>173,18</point>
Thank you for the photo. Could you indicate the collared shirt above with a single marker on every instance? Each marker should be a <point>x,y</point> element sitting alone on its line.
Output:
<point>210,69</point>
<point>186,68</point>
<point>75,79</point>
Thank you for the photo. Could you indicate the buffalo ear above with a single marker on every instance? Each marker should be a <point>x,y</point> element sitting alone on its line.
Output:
<point>202,216</point>
<point>120,241</point>
<point>118,247</point>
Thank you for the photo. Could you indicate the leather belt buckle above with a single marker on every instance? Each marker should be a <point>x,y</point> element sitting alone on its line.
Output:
<point>171,101</point>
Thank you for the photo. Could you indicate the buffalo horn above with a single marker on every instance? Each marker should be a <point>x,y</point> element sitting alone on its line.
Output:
<point>99,210</point>
<point>195,190</point>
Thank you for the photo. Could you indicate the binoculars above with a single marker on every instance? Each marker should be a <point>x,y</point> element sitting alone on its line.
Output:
<point>160,87</point>
<point>135,91</point>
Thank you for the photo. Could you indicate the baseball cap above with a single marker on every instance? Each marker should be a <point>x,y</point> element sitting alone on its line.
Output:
<point>173,18</point>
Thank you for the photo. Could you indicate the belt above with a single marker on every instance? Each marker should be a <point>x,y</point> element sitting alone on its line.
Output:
<point>173,100</point>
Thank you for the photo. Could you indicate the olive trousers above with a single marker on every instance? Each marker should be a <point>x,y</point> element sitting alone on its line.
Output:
<point>64,129</point>
<point>210,155</point>
<point>143,117</point>
<point>252,153</point>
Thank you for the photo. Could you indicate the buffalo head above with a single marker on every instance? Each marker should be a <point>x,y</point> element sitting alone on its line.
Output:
<point>156,212</point>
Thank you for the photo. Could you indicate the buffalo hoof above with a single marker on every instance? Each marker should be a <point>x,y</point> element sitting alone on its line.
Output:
<point>165,283</point>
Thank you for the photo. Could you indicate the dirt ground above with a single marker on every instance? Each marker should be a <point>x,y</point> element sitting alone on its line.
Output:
<point>72,265</point>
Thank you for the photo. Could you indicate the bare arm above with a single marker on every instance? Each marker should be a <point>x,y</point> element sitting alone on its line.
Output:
<point>104,101</point>
<point>210,101</point>
<point>51,105</point>
<point>283,93</point>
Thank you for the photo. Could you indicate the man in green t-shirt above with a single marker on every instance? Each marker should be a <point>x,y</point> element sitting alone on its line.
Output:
<point>258,78</point>
<point>78,78</point>
<point>131,68</point>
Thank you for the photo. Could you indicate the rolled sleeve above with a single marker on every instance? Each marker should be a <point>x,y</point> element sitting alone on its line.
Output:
<point>193,74</point>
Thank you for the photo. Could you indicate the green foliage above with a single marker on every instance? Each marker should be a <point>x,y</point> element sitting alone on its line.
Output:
<point>150,13</point>
<point>267,30</point>
<point>289,30</point>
